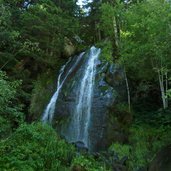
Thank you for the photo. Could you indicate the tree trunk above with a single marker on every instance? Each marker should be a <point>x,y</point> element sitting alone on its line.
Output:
<point>99,35</point>
<point>128,91</point>
<point>115,28</point>
<point>162,89</point>
<point>166,89</point>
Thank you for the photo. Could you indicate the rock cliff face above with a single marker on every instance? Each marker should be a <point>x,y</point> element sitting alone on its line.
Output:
<point>108,88</point>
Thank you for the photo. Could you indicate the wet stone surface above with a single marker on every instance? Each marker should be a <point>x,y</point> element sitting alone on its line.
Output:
<point>108,89</point>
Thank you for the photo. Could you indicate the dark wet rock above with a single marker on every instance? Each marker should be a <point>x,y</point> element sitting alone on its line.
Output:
<point>109,89</point>
<point>69,48</point>
<point>80,146</point>
<point>112,160</point>
<point>162,161</point>
<point>117,126</point>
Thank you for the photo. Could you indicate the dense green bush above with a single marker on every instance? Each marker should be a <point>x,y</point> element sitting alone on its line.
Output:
<point>10,108</point>
<point>87,163</point>
<point>35,147</point>
<point>146,141</point>
<point>38,147</point>
<point>106,54</point>
<point>121,150</point>
<point>149,132</point>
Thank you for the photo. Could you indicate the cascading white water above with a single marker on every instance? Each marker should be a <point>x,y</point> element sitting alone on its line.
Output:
<point>50,109</point>
<point>78,128</point>
<point>83,108</point>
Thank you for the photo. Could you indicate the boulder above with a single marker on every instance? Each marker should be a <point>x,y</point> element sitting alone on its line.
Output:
<point>80,146</point>
<point>162,161</point>
<point>69,48</point>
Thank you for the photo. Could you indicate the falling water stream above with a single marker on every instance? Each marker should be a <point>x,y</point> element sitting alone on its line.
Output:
<point>78,127</point>
<point>50,109</point>
<point>82,115</point>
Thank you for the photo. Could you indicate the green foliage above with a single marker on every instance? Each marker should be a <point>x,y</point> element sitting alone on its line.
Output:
<point>107,18</point>
<point>149,133</point>
<point>10,110</point>
<point>106,54</point>
<point>38,147</point>
<point>146,142</point>
<point>48,32</point>
<point>34,40</point>
<point>46,85</point>
<point>8,36</point>
<point>121,150</point>
<point>120,114</point>
<point>88,163</point>
<point>144,40</point>
<point>139,37</point>
<point>35,147</point>
<point>168,93</point>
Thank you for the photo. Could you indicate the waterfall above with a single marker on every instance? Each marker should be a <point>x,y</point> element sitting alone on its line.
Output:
<point>82,114</point>
<point>50,109</point>
<point>80,121</point>
<point>77,129</point>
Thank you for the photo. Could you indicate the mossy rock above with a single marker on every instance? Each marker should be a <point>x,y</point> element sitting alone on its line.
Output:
<point>43,89</point>
<point>118,123</point>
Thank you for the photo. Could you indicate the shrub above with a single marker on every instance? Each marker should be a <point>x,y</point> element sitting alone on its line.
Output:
<point>146,141</point>
<point>121,150</point>
<point>106,54</point>
<point>35,147</point>
<point>87,163</point>
<point>10,109</point>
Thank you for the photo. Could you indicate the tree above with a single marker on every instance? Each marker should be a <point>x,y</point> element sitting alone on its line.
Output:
<point>8,36</point>
<point>145,42</point>
<point>110,24</point>
<point>34,39</point>
<point>11,115</point>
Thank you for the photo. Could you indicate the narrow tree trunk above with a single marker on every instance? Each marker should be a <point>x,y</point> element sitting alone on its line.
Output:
<point>99,34</point>
<point>166,89</point>
<point>51,50</point>
<point>128,91</point>
<point>115,32</point>
<point>161,82</point>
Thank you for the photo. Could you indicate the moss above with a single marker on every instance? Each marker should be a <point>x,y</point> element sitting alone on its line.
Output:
<point>44,88</point>
<point>104,88</point>
<point>118,124</point>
